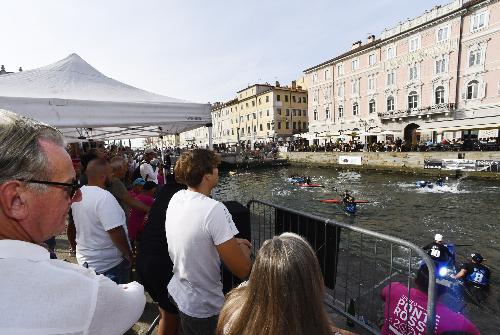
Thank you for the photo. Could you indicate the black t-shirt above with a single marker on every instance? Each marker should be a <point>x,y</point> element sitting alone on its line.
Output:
<point>154,240</point>
<point>438,251</point>
<point>476,273</point>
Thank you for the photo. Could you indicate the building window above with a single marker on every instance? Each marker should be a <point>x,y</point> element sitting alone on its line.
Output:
<point>478,21</point>
<point>440,66</point>
<point>355,64</point>
<point>390,78</point>
<point>294,125</point>
<point>293,98</point>
<point>391,52</point>
<point>260,127</point>
<point>355,86</point>
<point>268,126</point>
<point>279,111</point>
<point>442,34</point>
<point>355,109</point>
<point>299,112</point>
<point>371,83</point>
<point>286,98</point>
<point>242,131</point>
<point>267,98</point>
<point>304,100</point>
<point>315,78</point>
<point>472,89</point>
<point>294,112</point>
<point>340,69</point>
<point>390,104</point>
<point>413,72</point>
<point>304,125</point>
<point>260,102</point>
<point>327,113</point>
<point>304,112</point>
<point>371,106</point>
<point>341,90</point>
<point>327,74</point>
<point>315,115</point>
<point>341,111</point>
<point>267,112</point>
<point>298,125</point>
<point>372,59</point>
<point>412,100</point>
<point>288,125</point>
<point>278,97</point>
<point>279,125</point>
<point>475,57</point>
<point>414,43</point>
<point>439,95</point>
<point>287,112</point>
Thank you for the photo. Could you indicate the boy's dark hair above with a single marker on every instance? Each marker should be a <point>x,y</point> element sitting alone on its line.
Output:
<point>149,185</point>
<point>193,165</point>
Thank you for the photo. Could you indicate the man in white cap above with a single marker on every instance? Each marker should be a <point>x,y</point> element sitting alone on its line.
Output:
<point>148,173</point>
<point>437,250</point>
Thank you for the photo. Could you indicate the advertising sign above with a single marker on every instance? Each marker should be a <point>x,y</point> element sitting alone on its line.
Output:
<point>350,160</point>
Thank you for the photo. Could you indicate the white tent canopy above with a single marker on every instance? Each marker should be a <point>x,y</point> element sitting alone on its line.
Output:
<point>83,103</point>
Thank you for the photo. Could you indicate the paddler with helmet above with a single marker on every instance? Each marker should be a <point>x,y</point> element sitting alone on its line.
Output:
<point>476,276</point>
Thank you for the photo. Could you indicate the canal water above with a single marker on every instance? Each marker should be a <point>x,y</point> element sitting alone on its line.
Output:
<point>466,212</point>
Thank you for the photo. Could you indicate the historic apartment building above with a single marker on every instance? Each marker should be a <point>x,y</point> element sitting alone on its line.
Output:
<point>261,113</point>
<point>432,76</point>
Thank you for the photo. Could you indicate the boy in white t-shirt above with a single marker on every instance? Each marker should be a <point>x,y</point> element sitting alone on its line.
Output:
<point>200,233</point>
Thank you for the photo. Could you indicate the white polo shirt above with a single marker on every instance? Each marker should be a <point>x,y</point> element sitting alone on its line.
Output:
<point>194,225</point>
<point>49,296</point>
<point>147,172</point>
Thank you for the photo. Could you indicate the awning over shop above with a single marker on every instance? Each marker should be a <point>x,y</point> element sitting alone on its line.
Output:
<point>487,122</point>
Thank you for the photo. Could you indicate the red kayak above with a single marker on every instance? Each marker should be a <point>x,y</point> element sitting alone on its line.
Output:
<point>338,201</point>
<point>309,185</point>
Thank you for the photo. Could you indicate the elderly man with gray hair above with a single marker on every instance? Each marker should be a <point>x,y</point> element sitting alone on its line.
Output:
<point>40,295</point>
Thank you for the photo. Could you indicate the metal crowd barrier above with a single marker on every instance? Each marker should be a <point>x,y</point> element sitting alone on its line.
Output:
<point>356,263</point>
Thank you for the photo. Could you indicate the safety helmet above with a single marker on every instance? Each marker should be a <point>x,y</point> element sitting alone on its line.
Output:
<point>476,257</point>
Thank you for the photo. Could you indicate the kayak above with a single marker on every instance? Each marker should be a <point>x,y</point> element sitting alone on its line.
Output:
<point>338,201</point>
<point>296,180</point>
<point>309,185</point>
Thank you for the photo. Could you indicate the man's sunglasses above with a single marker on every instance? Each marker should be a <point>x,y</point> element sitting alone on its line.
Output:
<point>70,188</point>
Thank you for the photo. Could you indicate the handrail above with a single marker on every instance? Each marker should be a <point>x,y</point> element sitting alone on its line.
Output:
<point>431,299</point>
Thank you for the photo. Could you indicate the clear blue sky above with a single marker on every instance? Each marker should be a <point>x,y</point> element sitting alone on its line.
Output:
<point>196,50</point>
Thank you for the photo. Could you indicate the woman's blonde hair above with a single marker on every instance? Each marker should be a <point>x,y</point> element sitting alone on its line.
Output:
<point>284,294</point>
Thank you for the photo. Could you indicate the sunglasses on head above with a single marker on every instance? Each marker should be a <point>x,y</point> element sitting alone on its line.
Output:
<point>71,188</point>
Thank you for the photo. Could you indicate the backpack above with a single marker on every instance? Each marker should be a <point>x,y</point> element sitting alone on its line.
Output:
<point>137,172</point>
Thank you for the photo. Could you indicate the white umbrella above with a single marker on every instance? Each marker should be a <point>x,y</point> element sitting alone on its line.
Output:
<point>369,134</point>
<point>389,132</point>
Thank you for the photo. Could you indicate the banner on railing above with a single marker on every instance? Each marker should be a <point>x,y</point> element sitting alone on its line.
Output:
<point>350,160</point>
<point>463,165</point>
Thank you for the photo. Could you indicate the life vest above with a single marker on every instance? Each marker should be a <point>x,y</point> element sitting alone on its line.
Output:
<point>480,276</point>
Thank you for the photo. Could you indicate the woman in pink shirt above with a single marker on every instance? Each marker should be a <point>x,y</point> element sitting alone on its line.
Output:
<point>408,315</point>
<point>136,221</point>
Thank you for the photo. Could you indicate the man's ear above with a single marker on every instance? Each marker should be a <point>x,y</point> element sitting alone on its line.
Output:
<point>13,200</point>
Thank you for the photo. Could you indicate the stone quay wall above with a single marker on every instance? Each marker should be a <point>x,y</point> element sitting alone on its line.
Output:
<point>406,162</point>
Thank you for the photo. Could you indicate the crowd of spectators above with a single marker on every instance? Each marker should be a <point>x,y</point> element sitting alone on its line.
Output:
<point>120,212</point>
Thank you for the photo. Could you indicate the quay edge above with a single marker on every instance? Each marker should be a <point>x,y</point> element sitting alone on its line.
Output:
<point>397,162</point>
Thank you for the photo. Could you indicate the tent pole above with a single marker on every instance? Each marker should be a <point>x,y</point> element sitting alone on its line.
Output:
<point>162,155</point>
<point>210,139</point>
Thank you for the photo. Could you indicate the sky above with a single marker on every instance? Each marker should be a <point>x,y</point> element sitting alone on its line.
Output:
<point>196,50</point>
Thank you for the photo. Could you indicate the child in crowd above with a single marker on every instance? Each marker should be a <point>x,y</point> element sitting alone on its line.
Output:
<point>137,187</point>
<point>136,221</point>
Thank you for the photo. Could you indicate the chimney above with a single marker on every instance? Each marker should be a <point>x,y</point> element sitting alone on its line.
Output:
<point>371,38</point>
<point>294,84</point>
<point>277,84</point>
<point>356,45</point>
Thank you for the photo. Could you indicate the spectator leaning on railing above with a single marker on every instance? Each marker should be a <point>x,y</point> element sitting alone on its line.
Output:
<point>40,295</point>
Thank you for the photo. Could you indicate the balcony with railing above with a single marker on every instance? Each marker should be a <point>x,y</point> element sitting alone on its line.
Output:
<point>437,109</point>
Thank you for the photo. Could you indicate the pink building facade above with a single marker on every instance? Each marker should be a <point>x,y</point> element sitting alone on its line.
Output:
<point>434,76</point>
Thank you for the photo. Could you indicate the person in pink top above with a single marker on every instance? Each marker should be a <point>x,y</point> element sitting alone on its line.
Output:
<point>136,221</point>
<point>403,315</point>
<point>137,187</point>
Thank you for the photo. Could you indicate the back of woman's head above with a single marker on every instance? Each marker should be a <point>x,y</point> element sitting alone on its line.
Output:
<point>284,294</point>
